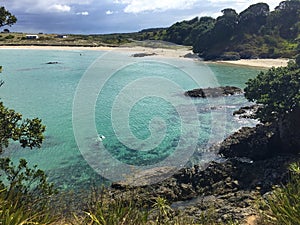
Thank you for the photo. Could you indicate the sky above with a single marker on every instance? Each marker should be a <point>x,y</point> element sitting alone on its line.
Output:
<point>114,16</point>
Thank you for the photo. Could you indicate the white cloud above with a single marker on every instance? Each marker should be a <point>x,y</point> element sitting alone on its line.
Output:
<point>243,4</point>
<point>83,13</point>
<point>138,6</point>
<point>109,12</point>
<point>42,6</point>
<point>59,8</point>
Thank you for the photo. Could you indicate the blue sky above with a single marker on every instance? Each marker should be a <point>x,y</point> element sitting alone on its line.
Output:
<point>115,16</point>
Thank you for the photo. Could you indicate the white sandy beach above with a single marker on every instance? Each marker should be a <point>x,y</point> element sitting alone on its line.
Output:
<point>162,52</point>
<point>263,63</point>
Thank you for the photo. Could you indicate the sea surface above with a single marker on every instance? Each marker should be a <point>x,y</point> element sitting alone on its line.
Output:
<point>136,106</point>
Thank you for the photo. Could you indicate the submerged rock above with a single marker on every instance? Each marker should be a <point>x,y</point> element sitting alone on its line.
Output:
<point>213,92</point>
<point>52,63</point>
<point>143,54</point>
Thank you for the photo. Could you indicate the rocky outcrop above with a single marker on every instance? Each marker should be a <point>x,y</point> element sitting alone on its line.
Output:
<point>264,141</point>
<point>257,143</point>
<point>231,188</point>
<point>213,92</point>
<point>256,160</point>
<point>247,112</point>
<point>191,56</point>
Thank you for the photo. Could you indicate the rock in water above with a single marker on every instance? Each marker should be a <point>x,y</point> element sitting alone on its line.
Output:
<point>213,92</point>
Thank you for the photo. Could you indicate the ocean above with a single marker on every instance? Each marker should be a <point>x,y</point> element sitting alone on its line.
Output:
<point>109,115</point>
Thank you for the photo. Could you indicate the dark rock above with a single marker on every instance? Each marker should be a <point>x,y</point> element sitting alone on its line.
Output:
<point>213,92</point>
<point>289,131</point>
<point>191,56</point>
<point>263,141</point>
<point>247,112</point>
<point>143,54</point>
<point>233,187</point>
<point>257,143</point>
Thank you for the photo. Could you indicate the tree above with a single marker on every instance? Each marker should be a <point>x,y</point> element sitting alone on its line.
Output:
<point>277,90</point>
<point>226,24</point>
<point>179,32</point>
<point>255,16</point>
<point>286,19</point>
<point>24,192</point>
<point>28,132</point>
<point>298,59</point>
<point>12,128</point>
<point>6,18</point>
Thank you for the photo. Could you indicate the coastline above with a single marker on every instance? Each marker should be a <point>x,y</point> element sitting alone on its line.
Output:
<point>262,63</point>
<point>154,52</point>
<point>163,52</point>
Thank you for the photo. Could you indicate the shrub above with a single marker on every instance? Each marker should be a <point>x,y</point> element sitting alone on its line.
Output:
<point>277,90</point>
<point>10,37</point>
<point>230,56</point>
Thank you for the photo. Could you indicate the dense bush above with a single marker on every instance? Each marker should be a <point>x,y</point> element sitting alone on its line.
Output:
<point>277,90</point>
<point>256,27</point>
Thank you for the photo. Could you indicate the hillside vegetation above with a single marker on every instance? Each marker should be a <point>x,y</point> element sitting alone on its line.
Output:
<point>256,32</point>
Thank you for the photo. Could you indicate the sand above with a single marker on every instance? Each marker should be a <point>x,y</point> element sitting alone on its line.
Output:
<point>162,52</point>
<point>263,63</point>
<point>157,52</point>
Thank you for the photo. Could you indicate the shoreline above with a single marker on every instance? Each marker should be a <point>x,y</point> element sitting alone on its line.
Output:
<point>152,52</point>
<point>162,52</point>
<point>261,63</point>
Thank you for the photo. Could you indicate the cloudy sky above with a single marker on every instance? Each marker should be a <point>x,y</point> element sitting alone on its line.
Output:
<point>104,16</point>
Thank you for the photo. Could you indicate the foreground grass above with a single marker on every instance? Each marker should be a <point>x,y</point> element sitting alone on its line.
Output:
<point>281,207</point>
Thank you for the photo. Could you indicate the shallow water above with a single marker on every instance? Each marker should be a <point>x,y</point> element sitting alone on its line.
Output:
<point>138,106</point>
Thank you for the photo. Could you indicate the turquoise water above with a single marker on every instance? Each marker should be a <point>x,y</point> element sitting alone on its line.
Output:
<point>151,124</point>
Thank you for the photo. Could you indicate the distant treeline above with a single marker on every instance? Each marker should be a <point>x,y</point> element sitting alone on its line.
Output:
<point>256,32</point>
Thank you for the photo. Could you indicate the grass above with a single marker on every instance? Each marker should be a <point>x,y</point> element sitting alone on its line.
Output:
<point>109,40</point>
<point>282,207</point>
<point>15,212</point>
<point>71,40</point>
